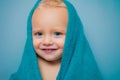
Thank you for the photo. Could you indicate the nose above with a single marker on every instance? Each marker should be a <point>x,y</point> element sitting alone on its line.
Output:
<point>47,40</point>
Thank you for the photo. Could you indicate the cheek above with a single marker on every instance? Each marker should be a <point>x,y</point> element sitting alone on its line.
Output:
<point>60,43</point>
<point>36,43</point>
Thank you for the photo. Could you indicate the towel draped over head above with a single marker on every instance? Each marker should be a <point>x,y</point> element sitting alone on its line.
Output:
<point>77,62</point>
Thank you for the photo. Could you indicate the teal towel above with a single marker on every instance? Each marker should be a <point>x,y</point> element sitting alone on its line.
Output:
<point>77,62</point>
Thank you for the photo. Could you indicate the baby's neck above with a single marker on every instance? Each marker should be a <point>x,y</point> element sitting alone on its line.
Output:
<point>49,70</point>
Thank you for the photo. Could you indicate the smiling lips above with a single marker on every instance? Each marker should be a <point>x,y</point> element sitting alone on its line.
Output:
<point>49,50</point>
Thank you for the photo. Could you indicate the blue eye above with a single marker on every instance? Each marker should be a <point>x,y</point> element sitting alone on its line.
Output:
<point>57,33</point>
<point>39,34</point>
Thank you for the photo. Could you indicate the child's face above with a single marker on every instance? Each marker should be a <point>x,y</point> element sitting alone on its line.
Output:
<point>49,31</point>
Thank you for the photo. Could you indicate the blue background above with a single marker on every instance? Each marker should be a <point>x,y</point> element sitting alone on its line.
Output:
<point>101,20</point>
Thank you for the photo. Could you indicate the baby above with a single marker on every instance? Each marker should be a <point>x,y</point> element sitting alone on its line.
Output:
<point>56,47</point>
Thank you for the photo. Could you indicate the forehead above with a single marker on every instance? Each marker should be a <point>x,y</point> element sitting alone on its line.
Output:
<point>49,16</point>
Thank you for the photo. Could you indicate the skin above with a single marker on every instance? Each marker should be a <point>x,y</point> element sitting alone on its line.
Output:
<point>49,32</point>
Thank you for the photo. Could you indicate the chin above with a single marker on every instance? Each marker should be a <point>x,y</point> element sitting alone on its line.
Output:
<point>52,59</point>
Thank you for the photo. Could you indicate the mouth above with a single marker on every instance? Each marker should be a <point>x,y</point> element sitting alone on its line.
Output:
<point>48,51</point>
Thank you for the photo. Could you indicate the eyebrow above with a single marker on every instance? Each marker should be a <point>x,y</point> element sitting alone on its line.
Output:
<point>36,29</point>
<point>55,28</point>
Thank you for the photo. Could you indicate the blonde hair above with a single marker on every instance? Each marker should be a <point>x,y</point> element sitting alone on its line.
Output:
<point>52,3</point>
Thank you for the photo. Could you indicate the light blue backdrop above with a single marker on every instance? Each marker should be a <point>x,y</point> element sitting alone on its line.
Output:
<point>101,20</point>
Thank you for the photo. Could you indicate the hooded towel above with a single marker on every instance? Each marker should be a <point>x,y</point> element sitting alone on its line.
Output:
<point>78,62</point>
